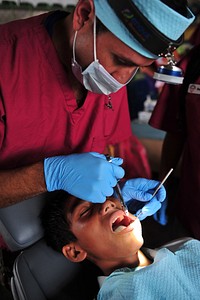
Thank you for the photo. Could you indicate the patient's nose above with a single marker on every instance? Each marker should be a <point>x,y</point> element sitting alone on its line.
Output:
<point>107,206</point>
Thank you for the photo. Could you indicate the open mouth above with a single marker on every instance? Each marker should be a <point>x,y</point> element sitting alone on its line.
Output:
<point>120,223</point>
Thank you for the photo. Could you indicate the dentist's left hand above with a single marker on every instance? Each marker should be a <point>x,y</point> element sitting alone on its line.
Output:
<point>137,194</point>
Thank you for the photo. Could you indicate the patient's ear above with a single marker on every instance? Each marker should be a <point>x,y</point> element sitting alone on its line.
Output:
<point>74,252</point>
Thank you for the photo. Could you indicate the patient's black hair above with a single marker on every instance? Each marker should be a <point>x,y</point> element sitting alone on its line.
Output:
<point>57,231</point>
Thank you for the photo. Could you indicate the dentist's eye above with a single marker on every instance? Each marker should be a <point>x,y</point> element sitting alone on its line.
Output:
<point>124,62</point>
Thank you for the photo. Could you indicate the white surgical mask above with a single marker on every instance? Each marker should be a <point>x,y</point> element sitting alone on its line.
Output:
<point>95,78</point>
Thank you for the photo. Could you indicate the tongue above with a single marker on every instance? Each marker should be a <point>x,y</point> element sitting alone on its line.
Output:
<point>119,228</point>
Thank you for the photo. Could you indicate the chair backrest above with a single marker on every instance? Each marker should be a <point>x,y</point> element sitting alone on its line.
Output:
<point>41,273</point>
<point>20,224</point>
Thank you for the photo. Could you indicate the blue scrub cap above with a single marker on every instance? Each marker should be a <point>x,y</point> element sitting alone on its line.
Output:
<point>147,26</point>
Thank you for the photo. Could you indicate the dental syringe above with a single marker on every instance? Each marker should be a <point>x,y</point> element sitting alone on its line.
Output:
<point>118,190</point>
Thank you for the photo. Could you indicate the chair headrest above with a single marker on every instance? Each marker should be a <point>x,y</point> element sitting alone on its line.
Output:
<point>20,224</point>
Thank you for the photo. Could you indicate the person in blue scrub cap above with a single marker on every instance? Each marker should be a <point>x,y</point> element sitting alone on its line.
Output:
<point>101,45</point>
<point>129,21</point>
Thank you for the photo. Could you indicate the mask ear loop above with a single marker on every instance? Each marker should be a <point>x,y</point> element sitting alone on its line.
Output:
<point>95,32</point>
<point>73,48</point>
<point>95,49</point>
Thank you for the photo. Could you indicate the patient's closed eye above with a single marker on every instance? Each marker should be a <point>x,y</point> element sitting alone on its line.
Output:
<point>85,211</point>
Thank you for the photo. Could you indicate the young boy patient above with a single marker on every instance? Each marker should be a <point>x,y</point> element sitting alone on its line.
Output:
<point>105,235</point>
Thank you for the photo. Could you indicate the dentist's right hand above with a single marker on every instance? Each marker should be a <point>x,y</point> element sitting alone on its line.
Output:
<point>88,176</point>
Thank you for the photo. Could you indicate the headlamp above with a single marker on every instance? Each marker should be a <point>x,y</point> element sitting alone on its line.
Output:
<point>169,73</point>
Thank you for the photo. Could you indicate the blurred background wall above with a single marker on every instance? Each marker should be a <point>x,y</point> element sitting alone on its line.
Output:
<point>20,9</point>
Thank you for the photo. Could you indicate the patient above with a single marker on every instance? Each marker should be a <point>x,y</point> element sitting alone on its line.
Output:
<point>103,234</point>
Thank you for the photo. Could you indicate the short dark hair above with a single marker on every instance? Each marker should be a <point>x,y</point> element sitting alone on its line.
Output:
<point>100,28</point>
<point>57,232</point>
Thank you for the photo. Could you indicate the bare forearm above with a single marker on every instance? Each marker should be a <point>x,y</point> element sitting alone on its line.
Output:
<point>20,184</point>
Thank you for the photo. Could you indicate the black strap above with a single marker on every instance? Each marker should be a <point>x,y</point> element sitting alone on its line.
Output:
<point>140,27</point>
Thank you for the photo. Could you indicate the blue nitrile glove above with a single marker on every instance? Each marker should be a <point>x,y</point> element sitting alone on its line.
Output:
<point>137,191</point>
<point>88,176</point>
<point>161,215</point>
